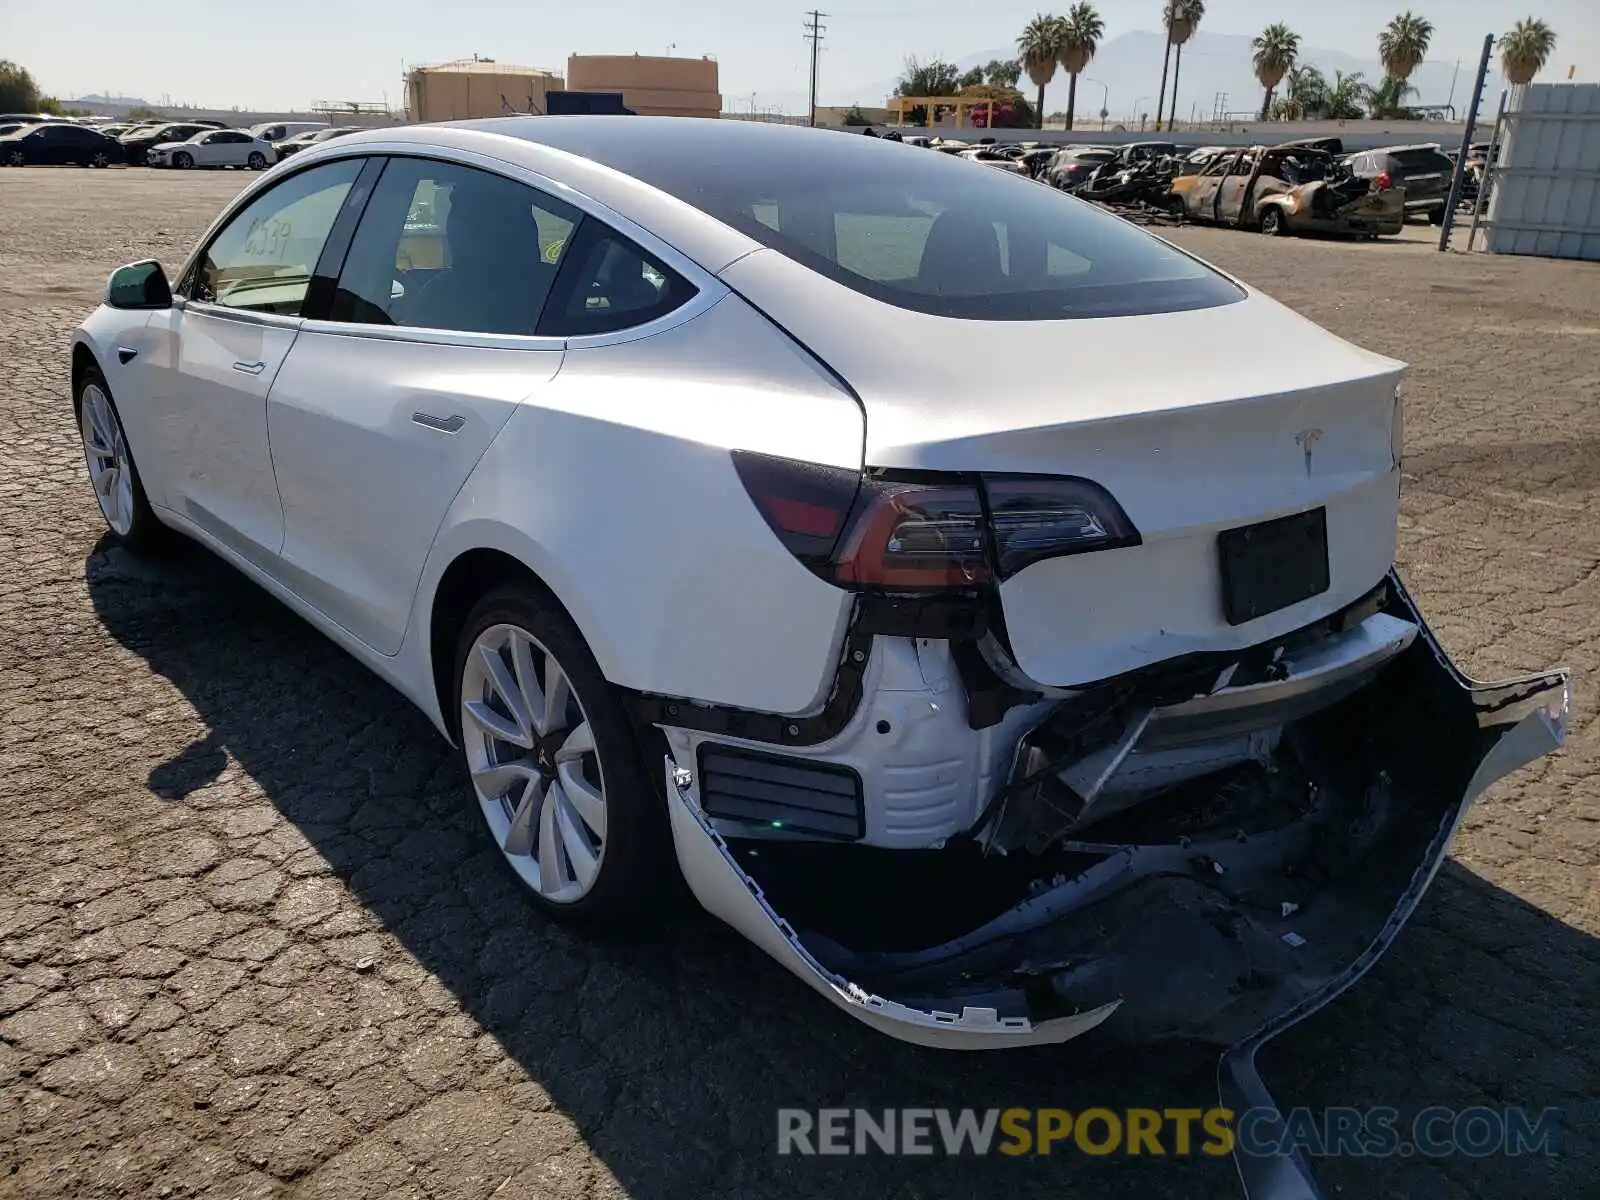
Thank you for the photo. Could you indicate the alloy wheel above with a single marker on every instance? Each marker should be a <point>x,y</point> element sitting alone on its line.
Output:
<point>535,769</point>
<point>100,159</point>
<point>258,161</point>
<point>16,159</point>
<point>106,451</point>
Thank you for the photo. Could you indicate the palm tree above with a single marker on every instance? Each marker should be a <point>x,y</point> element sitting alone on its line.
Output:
<point>1525,50</point>
<point>1081,32</point>
<point>1388,100</point>
<point>1306,93</point>
<point>1166,64</point>
<point>1404,43</point>
<point>1277,49</point>
<point>1039,48</point>
<point>1343,101</point>
<point>1183,18</point>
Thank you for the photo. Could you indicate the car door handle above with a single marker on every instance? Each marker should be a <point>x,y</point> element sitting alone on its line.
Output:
<point>254,368</point>
<point>126,355</point>
<point>450,424</point>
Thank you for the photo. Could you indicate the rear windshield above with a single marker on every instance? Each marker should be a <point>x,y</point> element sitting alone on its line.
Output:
<point>932,233</point>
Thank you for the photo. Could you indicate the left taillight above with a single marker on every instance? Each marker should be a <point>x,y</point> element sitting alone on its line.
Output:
<point>934,532</point>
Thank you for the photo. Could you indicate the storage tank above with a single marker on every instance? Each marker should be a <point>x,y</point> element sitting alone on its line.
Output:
<point>455,91</point>
<point>651,86</point>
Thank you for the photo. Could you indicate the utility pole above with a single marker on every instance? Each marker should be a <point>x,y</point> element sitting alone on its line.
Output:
<point>814,32</point>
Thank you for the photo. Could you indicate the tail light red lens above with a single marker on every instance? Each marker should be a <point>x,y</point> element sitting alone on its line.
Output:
<point>1385,181</point>
<point>929,533</point>
<point>913,536</point>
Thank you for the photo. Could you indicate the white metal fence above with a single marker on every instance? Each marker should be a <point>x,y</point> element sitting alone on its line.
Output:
<point>1546,194</point>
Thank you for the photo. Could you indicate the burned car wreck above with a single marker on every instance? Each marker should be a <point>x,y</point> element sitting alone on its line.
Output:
<point>1209,849</point>
<point>1288,189</point>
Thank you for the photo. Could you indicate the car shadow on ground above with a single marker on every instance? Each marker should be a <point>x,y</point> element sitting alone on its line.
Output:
<point>673,1053</point>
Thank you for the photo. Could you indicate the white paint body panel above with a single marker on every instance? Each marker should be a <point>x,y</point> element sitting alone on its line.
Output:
<point>364,486</point>
<point>208,371</point>
<point>614,483</point>
<point>1209,431</point>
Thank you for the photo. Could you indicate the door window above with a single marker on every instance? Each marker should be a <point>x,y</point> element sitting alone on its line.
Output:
<point>609,283</point>
<point>263,259</point>
<point>442,246</point>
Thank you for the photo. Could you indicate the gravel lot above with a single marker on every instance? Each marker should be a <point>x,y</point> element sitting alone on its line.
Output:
<point>252,945</point>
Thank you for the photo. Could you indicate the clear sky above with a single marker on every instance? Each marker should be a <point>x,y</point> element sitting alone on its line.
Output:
<point>284,54</point>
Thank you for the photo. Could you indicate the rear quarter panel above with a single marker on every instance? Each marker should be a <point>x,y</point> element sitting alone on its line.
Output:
<point>615,485</point>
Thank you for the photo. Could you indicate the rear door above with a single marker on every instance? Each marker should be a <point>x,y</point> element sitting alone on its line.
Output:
<point>388,400</point>
<point>1201,199</point>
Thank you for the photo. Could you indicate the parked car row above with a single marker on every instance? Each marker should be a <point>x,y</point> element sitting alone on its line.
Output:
<point>27,140</point>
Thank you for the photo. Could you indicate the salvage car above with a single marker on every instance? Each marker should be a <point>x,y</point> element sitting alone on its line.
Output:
<point>1288,189</point>
<point>658,493</point>
<point>58,144</point>
<point>1423,173</point>
<point>137,142</point>
<point>214,148</point>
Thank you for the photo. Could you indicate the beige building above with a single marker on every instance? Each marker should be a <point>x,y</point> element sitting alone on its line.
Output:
<point>667,87</point>
<point>455,91</point>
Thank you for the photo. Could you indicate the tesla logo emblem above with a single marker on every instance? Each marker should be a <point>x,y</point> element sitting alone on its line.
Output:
<point>1307,439</point>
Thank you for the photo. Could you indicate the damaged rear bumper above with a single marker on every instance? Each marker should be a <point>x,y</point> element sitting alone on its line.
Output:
<point>1225,932</point>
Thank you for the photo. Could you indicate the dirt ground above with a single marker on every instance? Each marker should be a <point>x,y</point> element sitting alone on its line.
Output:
<point>252,943</point>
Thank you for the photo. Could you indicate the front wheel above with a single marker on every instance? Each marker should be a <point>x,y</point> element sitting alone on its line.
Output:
<point>555,767</point>
<point>183,160</point>
<point>112,473</point>
<point>258,161</point>
<point>100,160</point>
<point>1273,223</point>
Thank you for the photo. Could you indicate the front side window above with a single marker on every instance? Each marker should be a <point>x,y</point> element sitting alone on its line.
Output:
<point>442,246</point>
<point>263,258</point>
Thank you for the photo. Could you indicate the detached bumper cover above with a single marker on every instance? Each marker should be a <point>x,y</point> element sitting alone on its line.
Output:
<point>1117,945</point>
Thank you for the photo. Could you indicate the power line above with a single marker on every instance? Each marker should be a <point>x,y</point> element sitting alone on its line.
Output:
<point>814,30</point>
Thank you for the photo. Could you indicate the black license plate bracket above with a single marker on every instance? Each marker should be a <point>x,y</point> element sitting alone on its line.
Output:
<point>1274,564</point>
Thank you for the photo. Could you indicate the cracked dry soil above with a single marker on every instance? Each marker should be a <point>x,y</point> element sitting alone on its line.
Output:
<point>253,945</point>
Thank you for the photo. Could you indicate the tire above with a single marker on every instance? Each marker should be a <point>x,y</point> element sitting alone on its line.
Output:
<point>100,161</point>
<point>1436,216</point>
<point>183,160</point>
<point>604,879</point>
<point>122,500</point>
<point>257,161</point>
<point>1272,222</point>
<point>16,159</point>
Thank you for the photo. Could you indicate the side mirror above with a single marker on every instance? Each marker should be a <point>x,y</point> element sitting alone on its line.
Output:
<point>139,285</point>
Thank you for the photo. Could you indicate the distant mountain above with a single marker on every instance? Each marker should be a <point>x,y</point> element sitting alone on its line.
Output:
<point>124,101</point>
<point>1216,71</point>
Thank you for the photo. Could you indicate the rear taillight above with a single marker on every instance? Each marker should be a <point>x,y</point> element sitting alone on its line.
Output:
<point>1385,181</point>
<point>910,536</point>
<point>934,532</point>
<point>1046,518</point>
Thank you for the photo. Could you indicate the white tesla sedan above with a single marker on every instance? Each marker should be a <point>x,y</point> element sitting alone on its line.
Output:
<point>708,486</point>
<point>214,148</point>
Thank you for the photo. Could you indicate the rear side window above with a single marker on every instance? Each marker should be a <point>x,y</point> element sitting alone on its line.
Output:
<point>928,233</point>
<point>1417,161</point>
<point>609,283</point>
<point>442,246</point>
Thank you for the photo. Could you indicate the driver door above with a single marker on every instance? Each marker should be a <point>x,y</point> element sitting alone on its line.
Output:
<point>215,354</point>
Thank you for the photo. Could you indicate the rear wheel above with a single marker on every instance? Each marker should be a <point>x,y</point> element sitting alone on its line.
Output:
<point>258,161</point>
<point>112,473</point>
<point>16,159</point>
<point>183,160</point>
<point>555,767</point>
